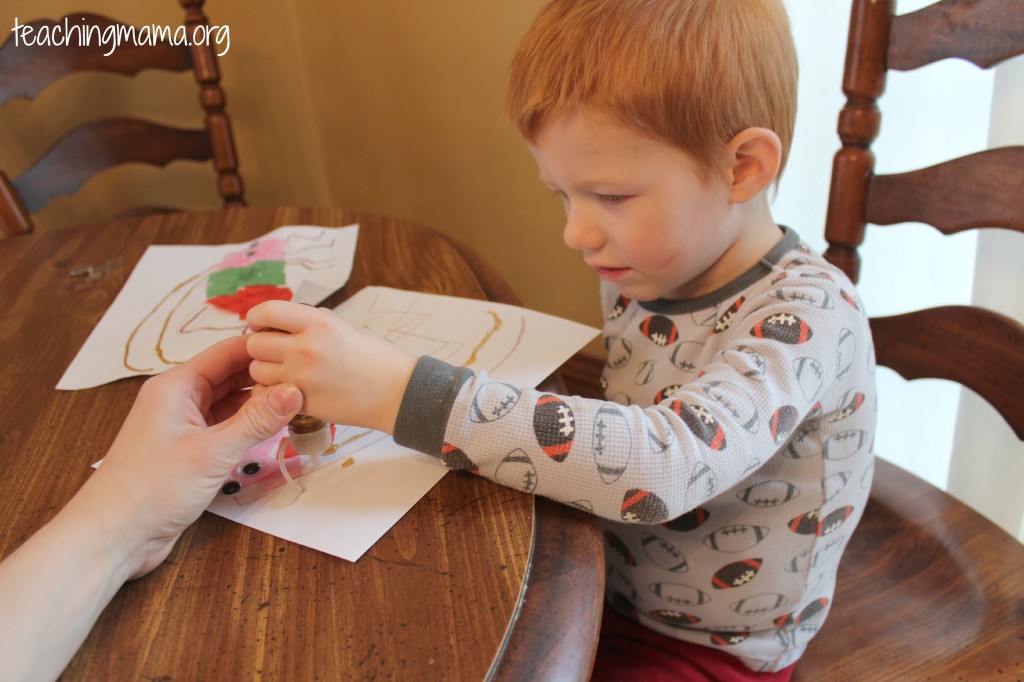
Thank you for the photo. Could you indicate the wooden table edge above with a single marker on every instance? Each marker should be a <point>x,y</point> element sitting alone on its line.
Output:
<point>545,639</point>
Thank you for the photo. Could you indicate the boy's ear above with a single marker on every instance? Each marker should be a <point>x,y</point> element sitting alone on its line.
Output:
<point>752,157</point>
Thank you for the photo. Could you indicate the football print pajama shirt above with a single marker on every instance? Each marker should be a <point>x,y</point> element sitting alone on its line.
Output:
<point>731,460</point>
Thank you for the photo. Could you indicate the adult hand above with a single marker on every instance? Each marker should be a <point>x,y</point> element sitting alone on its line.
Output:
<point>186,431</point>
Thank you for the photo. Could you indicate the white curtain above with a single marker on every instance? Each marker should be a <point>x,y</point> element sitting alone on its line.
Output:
<point>987,466</point>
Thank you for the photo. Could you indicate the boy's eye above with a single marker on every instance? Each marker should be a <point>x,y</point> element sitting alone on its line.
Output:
<point>611,198</point>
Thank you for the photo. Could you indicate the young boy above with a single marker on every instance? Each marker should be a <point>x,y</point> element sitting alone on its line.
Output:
<point>732,459</point>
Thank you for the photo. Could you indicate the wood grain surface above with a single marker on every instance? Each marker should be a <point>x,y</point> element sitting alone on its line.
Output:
<point>440,596</point>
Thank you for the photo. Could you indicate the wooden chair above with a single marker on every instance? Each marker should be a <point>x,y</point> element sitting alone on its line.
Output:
<point>26,70</point>
<point>928,588</point>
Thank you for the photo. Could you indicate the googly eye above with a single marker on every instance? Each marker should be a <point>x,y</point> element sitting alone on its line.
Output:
<point>250,468</point>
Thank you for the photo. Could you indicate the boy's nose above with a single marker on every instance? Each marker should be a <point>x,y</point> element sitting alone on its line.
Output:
<point>580,233</point>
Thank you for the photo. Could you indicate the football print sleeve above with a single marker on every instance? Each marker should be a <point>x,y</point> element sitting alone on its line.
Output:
<point>779,367</point>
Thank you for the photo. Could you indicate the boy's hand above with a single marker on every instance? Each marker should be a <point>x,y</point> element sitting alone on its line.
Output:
<point>347,375</point>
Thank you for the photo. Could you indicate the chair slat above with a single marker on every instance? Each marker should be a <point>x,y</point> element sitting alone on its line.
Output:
<point>980,190</point>
<point>81,41</point>
<point>980,349</point>
<point>14,219</point>
<point>98,145</point>
<point>984,32</point>
<point>27,70</point>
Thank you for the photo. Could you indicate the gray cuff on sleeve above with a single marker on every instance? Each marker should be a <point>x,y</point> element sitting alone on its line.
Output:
<point>426,404</point>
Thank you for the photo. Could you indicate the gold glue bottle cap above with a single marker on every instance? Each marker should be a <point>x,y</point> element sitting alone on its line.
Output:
<point>303,423</point>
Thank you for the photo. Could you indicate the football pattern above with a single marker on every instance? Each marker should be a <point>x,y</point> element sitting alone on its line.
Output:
<point>728,638</point>
<point>758,604</point>
<point>691,520</point>
<point>810,375</point>
<point>619,307</point>
<point>730,463</point>
<point>784,327</point>
<point>582,505</point>
<point>618,549</point>
<point>736,574</point>
<point>493,401</point>
<point>723,323</point>
<point>666,393</point>
<point>619,352</point>
<point>735,401</point>
<point>783,422</point>
<point>769,493</point>
<point>819,298</point>
<point>845,444</point>
<point>834,484</point>
<point>848,405</point>
<point>737,538</point>
<point>701,423</point>
<point>659,442</point>
<point>685,354</point>
<point>679,594</point>
<point>516,470</point>
<point>457,460</point>
<point>703,481</point>
<point>812,523</point>
<point>643,506</point>
<point>660,329</point>
<point>677,619</point>
<point>554,426</point>
<point>747,361</point>
<point>645,373</point>
<point>663,553</point>
<point>818,557</point>
<point>809,612</point>
<point>850,299</point>
<point>805,443</point>
<point>611,442</point>
<point>845,352</point>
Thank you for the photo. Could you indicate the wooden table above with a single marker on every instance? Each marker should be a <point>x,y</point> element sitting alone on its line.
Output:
<point>476,582</point>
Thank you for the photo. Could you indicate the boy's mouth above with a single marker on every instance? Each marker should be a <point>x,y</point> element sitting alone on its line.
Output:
<point>610,274</point>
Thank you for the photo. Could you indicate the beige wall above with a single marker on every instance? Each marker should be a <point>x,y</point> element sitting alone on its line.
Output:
<point>392,106</point>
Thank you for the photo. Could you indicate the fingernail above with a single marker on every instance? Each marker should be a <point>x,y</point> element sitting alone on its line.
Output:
<point>284,399</point>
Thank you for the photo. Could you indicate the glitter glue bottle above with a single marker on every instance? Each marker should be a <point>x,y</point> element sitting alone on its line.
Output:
<point>309,436</point>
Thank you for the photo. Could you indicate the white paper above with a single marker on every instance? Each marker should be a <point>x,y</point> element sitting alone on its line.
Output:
<point>345,510</point>
<point>161,316</point>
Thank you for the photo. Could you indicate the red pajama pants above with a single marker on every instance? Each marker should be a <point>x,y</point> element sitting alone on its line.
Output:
<point>629,651</point>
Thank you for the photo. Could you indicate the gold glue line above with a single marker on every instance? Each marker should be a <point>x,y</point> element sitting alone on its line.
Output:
<point>167,322</point>
<point>131,337</point>
<point>515,346</point>
<point>487,337</point>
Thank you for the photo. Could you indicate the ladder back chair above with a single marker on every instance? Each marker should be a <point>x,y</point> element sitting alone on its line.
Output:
<point>928,588</point>
<point>26,70</point>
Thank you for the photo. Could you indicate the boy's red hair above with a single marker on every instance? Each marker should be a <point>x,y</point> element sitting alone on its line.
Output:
<point>693,73</point>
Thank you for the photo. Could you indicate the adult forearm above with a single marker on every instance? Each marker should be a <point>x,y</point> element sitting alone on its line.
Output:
<point>52,590</point>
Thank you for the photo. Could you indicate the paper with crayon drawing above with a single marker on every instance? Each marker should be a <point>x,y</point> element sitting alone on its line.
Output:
<point>181,299</point>
<point>368,483</point>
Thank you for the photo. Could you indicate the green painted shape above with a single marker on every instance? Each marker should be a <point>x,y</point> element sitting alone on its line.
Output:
<point>226,282</point>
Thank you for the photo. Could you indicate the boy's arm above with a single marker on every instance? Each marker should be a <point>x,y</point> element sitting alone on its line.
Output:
<point>652,464</point>
<point>622,462</point>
